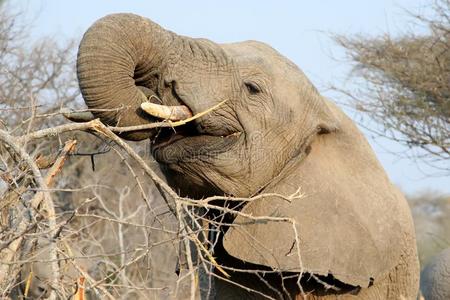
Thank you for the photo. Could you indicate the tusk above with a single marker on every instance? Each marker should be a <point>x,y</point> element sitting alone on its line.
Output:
<point>172,113</point>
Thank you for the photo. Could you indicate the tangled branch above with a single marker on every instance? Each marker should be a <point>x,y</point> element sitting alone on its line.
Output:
<point>402,83</point>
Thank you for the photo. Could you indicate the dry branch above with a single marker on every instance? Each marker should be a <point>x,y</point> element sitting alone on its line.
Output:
<point>402,84</point>
<point>47,209</point>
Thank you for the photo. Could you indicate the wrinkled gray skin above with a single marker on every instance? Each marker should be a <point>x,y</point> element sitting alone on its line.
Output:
<point>435,277</point>
<point>353,237</point>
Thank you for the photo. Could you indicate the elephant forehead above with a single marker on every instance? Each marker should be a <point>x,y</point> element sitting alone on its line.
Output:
<point>254,54</point>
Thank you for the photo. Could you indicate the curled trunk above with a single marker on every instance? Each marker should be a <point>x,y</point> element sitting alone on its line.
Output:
<point>117,55</point>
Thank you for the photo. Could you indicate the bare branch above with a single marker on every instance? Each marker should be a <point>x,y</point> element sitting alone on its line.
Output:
<point>402,83</point>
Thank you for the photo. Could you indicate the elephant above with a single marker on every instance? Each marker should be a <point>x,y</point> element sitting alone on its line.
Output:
<point>435,277</point>
<point>271,134</point>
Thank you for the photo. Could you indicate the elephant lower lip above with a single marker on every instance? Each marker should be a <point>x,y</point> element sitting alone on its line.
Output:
<point>168,136</point>
<point>179,147</point>
<point>167,141</point>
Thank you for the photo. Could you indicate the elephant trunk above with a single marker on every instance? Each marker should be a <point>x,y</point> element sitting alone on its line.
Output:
<point>116,55</point>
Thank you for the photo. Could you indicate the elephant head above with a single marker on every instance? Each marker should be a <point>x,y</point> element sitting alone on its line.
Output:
<point>274,134</point>
<point>435,277</point>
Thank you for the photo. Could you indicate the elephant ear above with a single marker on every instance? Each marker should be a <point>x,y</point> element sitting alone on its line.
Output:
<point>351,221</point>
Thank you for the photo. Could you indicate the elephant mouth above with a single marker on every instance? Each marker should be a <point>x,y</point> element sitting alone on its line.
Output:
<point>185,143</point>
<point>189,142</point>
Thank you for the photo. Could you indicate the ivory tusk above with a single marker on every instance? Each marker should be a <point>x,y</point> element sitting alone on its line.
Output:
<point>172,113</point>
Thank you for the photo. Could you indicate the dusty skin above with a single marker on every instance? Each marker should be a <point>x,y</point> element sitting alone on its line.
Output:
<point>435,277</point>
<point>350,236</point>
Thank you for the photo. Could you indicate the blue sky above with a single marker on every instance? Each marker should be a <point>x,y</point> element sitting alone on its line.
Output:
<point>298,29</point>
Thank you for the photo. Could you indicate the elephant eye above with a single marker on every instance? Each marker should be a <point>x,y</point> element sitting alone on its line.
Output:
<point>252,88</point>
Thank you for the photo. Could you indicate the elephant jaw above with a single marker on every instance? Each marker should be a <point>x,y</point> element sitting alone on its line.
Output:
<point>171,113</point>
